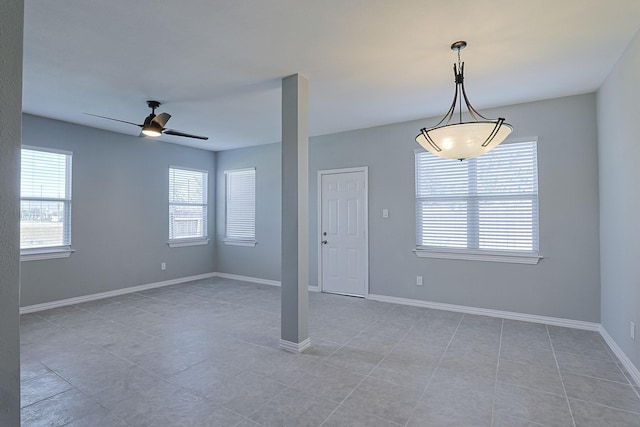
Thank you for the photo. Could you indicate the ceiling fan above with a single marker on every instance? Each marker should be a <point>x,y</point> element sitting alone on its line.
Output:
<point>154,124</point>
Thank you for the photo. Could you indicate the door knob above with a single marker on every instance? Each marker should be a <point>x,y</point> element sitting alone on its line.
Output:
<point>324,242</point>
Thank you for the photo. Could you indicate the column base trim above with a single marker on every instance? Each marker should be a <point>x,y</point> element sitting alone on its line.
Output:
<point>295,347</point>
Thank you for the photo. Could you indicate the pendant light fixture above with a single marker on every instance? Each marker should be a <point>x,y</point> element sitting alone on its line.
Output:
<point>463,140</point>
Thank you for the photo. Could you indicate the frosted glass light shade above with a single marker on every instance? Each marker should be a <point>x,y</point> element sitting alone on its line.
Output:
<point>463,140</point>
<point>150,130</point>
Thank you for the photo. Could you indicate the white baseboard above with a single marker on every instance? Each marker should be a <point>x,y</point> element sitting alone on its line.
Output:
<point>631,368</point>
<point>299,347</point>
<point>85,298</point>
<point>312,288</point>
<point>556,321</point>
<point>248,279</point>
<point>295,347</point>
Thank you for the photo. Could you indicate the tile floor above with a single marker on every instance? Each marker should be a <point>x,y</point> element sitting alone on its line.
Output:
<point>206,354</point>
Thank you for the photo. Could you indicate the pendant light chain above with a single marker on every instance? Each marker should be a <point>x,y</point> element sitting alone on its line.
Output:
<point>459,80</point>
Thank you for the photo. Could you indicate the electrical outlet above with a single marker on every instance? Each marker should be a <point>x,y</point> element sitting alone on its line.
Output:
<point>163,266</point>
<point>385,213</point>
<point>419,280</point>
<point>632,331</point>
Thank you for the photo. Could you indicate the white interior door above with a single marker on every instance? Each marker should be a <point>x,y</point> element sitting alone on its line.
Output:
<point>343,232</point>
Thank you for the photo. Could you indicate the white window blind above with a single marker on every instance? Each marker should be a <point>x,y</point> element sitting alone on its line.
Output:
<point>489,203</point>
<point>241,205</point>
<point>187,204</point>
<point>45,200</point>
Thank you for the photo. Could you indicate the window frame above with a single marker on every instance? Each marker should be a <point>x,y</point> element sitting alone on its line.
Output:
<point>249,241</point>
<point>190,241</point>
<point>58,251</point>
<point>475,254</point>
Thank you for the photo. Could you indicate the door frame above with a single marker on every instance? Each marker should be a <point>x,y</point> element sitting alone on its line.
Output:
<point>321,173</point>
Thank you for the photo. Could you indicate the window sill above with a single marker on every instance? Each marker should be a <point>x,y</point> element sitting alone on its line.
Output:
<point>515,258</point>
<point>36,255</point>
<point>187,242</point>
<point>248,243</point>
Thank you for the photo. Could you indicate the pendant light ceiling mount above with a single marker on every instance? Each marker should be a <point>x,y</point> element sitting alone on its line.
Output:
<point>463,140</point>
<point>459,45</point>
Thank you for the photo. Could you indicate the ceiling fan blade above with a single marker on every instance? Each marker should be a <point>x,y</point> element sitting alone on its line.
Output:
<point>179,133</point>
<point>115,120</point>
<point>162,119</point>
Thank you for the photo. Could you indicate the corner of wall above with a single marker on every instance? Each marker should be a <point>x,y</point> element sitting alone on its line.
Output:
<point>618,151</point>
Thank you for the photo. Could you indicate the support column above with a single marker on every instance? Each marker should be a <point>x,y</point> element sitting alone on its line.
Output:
<point>295,215</point>
<point>11,24</point>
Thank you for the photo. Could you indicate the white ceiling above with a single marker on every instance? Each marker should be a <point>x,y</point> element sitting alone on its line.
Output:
<point>217,65</point>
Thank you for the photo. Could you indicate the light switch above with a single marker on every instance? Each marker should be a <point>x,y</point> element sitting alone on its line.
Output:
<point>385,213</point>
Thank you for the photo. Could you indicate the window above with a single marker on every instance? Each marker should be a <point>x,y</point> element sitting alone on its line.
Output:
<point>187,207</point>
<point>45,203</point>
<point>240,207</point>
<point>484,208</point>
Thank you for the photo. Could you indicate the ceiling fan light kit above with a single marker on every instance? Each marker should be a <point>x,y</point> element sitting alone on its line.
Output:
<point>463,140</point>
<point>150,130</point>
<point>153,125</point>
<point>150,126</point>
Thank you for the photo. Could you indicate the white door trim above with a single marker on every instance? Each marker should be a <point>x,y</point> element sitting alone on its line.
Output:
<point>364,169</point>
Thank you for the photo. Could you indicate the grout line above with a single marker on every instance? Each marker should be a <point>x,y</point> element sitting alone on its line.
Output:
<point>368,374</point>
<point>265,403</point>
<point>519,362</point>
<point>635,389</point>
<point>597,378</point>
<point>495,382</point>
<point>348,341</point>
<point>163,379</point>
<point>631,382</point>
<point>607,406</point>
<point>528,421</point>
<point>53,395</point>
<point>152,300</point>
<point>566,396</point>
<point>614,359</point>
<point>442,355</point>
<point>537,390</point>
<point>88,396</point>
<point>26,380</point>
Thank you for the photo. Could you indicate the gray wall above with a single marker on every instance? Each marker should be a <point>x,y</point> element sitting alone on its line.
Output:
<point>11,28</point>
<point>619,150</point>
<point>566,283</point>
<point>263,260</point>
<point>119,213</point>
